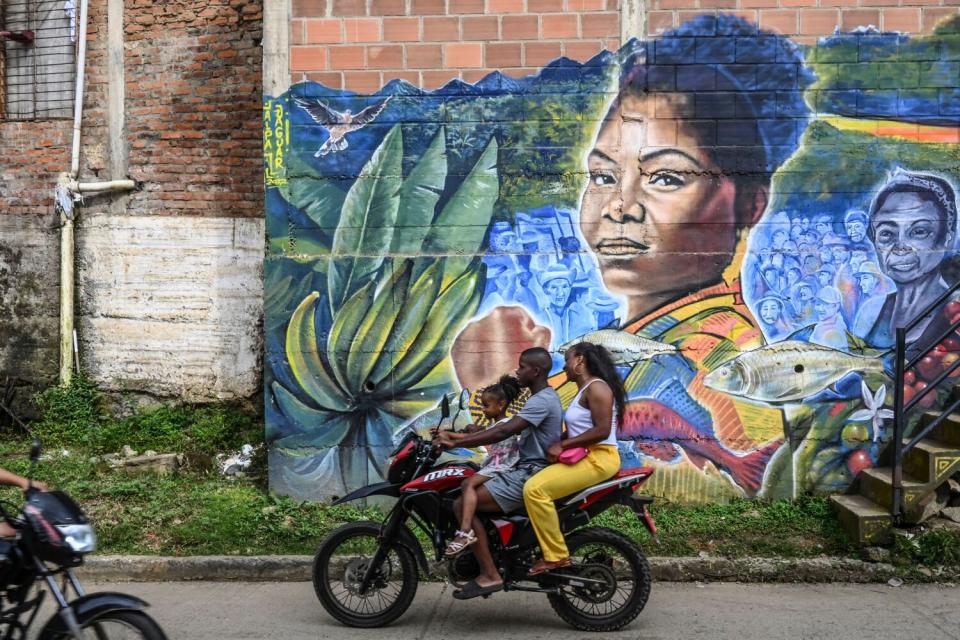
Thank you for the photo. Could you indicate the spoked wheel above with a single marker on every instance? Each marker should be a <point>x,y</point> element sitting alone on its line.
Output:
<point>618,586</point>
<point>120,625</point>
<point>339,567</point>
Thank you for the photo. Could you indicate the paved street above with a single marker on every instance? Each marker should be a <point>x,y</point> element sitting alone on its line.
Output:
<point>234,611</point>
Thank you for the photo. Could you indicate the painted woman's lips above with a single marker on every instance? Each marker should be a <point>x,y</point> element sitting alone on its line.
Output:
<point>621,247</point>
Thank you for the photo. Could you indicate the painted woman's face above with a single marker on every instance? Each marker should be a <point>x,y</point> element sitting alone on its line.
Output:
<point>657,212</point>
<point>910,237</point>
<point>769,311</point>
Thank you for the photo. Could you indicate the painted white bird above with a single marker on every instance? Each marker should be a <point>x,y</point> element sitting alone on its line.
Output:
<point>339,123</point>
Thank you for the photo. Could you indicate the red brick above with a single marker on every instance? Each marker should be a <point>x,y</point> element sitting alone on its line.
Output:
<point>758,4</point>
<point>659,21</point>
<point>309,8</point>
<point>854,18</point>
<point>296,32</point>
<point>362,81</point>
<point>424,56</point>
<point>544,6</point>
<point>685,16</point>
<point>519,28</point>
<point>854,3</point>
<point>932,16</point>
<point>347,57</point>
<point>784,21</point>
<point>413,77</point>
<point>323,31</point>
<point>586,5</point>
<point>349,8</point>
<point>581,51</point>
<point>466,6</point>
<point>519,73</point>
<point>474,75</point>
<point>538,54</point>
<point>441,29</point>
<point>436,79</point>
<point>504,6</point>
<point>308,58</point>
<point>424,7</point>
<point>498,55</point>
<point>818,22</point>
<point>461,55</point>
<point>557,26</point>
<point>480,28</point>
<point>799,3</point>
<point>613,44</point>
<point>599,25</point>
<point>907,19</point>
<point>388,56</point>
<point>718,4</point>
<point>362,29</point>
<point>387,7</point>
<point>401,29</point>
<point>329,79</point>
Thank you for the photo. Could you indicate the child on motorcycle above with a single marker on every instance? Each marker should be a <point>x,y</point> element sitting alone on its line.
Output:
<point>501,456</point>
<point>11,479</point>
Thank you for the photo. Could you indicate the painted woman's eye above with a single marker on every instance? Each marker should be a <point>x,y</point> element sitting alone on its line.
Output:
<point>885,237</point>
<point>602,179</point>
<point>921,233</point>
<point>667,179</point>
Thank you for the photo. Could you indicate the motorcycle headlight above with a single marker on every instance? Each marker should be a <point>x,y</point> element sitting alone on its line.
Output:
<point>80,537</point>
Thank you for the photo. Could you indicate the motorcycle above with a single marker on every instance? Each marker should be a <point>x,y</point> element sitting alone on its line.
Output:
<point>365,573</point>
<point>53,536</point>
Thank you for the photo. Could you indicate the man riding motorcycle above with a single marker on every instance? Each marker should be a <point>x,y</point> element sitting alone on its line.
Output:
<point>540,425</point>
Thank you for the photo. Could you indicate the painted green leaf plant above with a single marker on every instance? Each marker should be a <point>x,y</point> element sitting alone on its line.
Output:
<point>402,280</point>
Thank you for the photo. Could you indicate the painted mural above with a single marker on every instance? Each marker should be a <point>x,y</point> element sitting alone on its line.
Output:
<point>740,220</point>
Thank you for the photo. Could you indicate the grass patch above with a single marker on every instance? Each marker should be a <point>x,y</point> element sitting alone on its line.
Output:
<point>931,548</point>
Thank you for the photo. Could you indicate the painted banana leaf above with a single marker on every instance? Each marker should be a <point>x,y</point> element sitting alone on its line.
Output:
<point>384,359</point>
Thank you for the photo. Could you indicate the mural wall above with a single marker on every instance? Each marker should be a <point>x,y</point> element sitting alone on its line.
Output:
<point>740,220</point>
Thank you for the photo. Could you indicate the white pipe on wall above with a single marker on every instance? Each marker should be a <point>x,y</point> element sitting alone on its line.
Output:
<point>66,219</point>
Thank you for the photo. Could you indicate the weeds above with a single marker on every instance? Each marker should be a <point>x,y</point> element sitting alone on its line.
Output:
<point>933,547</point>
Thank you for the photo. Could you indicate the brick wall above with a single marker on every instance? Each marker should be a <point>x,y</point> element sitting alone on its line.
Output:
<point>362,44</point>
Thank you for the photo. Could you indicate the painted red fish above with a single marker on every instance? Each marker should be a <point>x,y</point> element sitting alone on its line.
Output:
<point>659,432</point>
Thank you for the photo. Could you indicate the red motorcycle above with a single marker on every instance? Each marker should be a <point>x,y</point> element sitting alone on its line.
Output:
<point>365,573</point>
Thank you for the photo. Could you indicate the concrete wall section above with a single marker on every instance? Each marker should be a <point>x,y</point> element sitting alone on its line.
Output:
<point>171,306</point>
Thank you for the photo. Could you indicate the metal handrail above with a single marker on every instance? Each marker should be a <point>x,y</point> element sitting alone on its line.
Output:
<point>901,366</point>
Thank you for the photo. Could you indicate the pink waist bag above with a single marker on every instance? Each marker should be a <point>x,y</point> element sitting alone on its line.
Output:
<point>573,455</point>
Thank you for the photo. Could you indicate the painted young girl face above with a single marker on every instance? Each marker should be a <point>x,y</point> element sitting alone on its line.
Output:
<point>654,196</point>
<point>492,405</point>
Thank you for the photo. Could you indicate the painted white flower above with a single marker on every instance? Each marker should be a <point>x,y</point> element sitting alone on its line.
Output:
<point>875,412</point>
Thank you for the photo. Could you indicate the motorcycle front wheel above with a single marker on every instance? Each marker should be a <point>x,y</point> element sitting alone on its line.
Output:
<point>619,581</point>
<point>117,625</point>
<point>342,561</point>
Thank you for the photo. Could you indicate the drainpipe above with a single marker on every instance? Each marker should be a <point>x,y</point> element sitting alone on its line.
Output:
<point>69,192</point>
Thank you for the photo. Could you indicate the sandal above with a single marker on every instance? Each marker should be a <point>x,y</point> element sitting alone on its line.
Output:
<point>472,590</point>
<point>543,566</point>
<point>461,540</point>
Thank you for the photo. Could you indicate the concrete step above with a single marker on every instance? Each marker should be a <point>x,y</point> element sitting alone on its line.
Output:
<point>867,522</point>
<point>948,431</point>
<point>877,485</point>
<point>932,461</point>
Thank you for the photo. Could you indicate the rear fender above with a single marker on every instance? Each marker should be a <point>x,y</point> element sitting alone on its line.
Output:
<point>90,607</point>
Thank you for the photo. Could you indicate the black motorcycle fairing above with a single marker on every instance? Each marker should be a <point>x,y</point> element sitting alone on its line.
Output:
<point>390,489</point>
<point>91,606</point>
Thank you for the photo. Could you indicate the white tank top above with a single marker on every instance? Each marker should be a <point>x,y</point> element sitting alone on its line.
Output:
<point>579,420</point>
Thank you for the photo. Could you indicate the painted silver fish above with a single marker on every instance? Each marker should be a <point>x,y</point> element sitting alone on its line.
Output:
<point>788,371</point>
<point>625,347</point>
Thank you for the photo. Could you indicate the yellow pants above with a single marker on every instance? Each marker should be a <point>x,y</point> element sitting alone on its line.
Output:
<point>560,480</point>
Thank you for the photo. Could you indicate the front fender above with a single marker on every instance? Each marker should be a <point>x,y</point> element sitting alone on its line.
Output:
<point>391,489</point>
<point>90,607</point>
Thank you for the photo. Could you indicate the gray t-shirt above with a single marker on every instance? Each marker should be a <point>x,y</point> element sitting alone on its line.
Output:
<point>545,414</point>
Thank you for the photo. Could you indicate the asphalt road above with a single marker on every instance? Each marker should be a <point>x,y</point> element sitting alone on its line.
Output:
<point>235,611</point>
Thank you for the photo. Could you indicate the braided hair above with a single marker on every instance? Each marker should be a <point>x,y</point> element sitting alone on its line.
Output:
<point>507,388</point>
<point>600,365</point>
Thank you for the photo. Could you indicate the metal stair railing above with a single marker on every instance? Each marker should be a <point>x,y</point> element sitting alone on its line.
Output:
<point>901,409</point>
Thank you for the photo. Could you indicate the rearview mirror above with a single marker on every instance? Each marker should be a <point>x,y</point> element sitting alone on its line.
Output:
<point>445,407</point>
<point>464,400</point>
<point>35,450</point>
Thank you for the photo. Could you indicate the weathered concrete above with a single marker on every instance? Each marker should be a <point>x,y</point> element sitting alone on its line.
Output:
<point>293,568</point>
<point>218,610</point>
<point>183,294</point>
<point>28,297</point>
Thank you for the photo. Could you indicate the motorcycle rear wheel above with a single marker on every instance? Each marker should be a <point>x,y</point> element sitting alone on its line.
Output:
<point>118,625</point>
<point>603,554</point>
<point>342,560</point>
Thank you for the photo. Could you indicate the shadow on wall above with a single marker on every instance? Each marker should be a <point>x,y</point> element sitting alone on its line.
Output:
<point>739,220</point>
